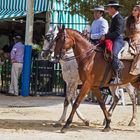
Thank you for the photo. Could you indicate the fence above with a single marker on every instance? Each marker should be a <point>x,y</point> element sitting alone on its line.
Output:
<point>46,78</point>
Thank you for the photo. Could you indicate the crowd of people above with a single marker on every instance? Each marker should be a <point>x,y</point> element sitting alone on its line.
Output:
<point>120,28</point>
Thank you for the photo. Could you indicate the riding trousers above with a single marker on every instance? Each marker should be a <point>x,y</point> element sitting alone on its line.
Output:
<point>118,44</point>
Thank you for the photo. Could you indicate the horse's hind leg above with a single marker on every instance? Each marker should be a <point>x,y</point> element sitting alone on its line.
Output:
<point>131,92</point>
<point>114,103</point>
<point>67,100</point>
<point>99,97</point>
<point>112,107</point>
<point>63,116</point>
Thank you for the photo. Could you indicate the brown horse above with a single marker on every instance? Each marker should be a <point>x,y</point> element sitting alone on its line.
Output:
<point>92,68</point>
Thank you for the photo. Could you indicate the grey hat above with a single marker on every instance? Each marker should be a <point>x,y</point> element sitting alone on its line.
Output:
<point>17,37</point>
<point>98,8</point>
<point>113,3</point>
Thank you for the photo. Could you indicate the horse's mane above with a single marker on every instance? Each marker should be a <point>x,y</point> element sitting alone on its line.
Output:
<point>81,35</point>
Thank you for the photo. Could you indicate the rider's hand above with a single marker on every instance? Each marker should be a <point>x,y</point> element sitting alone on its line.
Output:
<point>102,38</point>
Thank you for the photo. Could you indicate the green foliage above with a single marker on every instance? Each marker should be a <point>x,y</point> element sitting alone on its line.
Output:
<point>83,7</point>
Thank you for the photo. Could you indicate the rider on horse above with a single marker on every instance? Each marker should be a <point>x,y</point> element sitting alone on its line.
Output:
<point>133,34</point>
<point>99,26</point>
<point>116,35</point>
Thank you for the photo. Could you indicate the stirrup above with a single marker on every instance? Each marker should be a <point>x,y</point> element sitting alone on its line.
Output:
<point>116,80</point>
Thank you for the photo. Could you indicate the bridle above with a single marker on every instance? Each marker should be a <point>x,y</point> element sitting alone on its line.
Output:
<point>60,56</point>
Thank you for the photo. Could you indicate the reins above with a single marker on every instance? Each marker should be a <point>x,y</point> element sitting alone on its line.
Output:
<point>75,57</point>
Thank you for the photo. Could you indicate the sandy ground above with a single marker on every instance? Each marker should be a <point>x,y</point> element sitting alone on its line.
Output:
<point>32,118</point>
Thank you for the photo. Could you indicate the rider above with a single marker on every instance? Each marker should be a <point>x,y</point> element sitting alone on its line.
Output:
<point>115,34</point>
<point>133,33</point>
<point>99,26</point>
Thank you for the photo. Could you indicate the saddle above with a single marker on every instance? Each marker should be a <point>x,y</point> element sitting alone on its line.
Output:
<point>127,52</point>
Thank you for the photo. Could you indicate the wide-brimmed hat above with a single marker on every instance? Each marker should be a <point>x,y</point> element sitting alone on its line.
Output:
<point>98,8</point>
<point>113,3</point>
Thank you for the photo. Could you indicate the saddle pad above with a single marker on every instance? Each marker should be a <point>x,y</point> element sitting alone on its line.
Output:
<point>125,54</point>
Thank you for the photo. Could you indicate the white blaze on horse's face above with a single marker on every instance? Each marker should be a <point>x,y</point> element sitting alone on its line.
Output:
<point>49,37</point>
<point>60,44</point>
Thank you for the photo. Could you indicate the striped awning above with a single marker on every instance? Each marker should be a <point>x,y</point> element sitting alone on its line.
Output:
<point>18,8</point>
<point>62,15</point>
<point>75,21</point>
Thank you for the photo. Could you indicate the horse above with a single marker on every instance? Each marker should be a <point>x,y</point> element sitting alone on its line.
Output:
<point>73,80</point>
<point>91,67</point>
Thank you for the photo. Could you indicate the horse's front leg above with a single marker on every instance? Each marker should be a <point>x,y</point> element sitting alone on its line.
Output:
<point>131,92</point>
<point>79,114</point>
<point>84,90</point>
<point>63,116</point>
<point>107,115</point>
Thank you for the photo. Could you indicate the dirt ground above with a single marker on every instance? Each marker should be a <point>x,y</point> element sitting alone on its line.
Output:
<point>32,118</point>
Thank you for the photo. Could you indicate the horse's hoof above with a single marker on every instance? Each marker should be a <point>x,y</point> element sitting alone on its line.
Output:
<point>106,129</point>
<point>57,125</point>
<point>64,130</point>
<point>86,123</point>
<point>104,122</point>
<point>131,124</point>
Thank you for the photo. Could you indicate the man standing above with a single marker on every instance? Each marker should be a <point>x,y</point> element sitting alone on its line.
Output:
<point>17,55</point>
<point>99,26</point>
<point>116,35</point>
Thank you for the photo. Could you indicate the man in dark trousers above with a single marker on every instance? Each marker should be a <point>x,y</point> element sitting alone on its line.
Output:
<point>116,35</point>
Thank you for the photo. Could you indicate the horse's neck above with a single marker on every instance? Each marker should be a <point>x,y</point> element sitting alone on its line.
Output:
<point>70,53</point>
<point>82,44</point>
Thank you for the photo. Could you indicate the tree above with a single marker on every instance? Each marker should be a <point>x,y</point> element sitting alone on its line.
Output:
<point>83,7</point>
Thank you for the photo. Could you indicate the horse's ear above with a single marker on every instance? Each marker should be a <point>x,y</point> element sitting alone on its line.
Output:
<point>43,37</point>
<point>58,28</point>
<point>54,28</point>
<point>63,27</point>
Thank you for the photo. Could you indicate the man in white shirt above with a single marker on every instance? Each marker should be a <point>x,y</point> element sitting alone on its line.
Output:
<point>99,26</point>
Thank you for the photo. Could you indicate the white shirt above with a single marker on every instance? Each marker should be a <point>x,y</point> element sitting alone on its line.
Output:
<point>99,27</point>
<point>115,14</point>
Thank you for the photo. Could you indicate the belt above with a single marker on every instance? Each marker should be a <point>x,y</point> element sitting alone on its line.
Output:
<point>95,39</point>
<point>18,62</point>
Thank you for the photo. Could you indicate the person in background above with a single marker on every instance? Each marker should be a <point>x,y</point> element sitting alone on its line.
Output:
<point>133,34</point>
<point>99,26</point>
<point>115,34</point>
<point>17,55</point>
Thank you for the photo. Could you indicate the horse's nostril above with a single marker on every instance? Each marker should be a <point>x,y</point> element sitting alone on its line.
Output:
<point>57,56</point>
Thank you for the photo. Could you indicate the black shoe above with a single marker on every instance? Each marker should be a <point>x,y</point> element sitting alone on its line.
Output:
<point>11,94</point>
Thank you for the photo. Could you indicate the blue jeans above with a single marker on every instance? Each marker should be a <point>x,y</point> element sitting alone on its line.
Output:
<point>118,44</point>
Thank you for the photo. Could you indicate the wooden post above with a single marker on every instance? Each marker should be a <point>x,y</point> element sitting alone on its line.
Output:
<point>29,22</point>
<point>28,49</point>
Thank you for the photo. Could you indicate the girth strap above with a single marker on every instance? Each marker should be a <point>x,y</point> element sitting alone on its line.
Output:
<point>107,70</point>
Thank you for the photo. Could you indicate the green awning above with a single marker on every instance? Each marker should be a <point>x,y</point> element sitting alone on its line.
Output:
<point>62,15</point>
<point>75,21</point>
<point>18,8</point>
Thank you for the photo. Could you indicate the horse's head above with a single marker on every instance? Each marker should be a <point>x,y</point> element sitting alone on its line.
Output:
<point>63,42</point>
<point>49,37</point>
